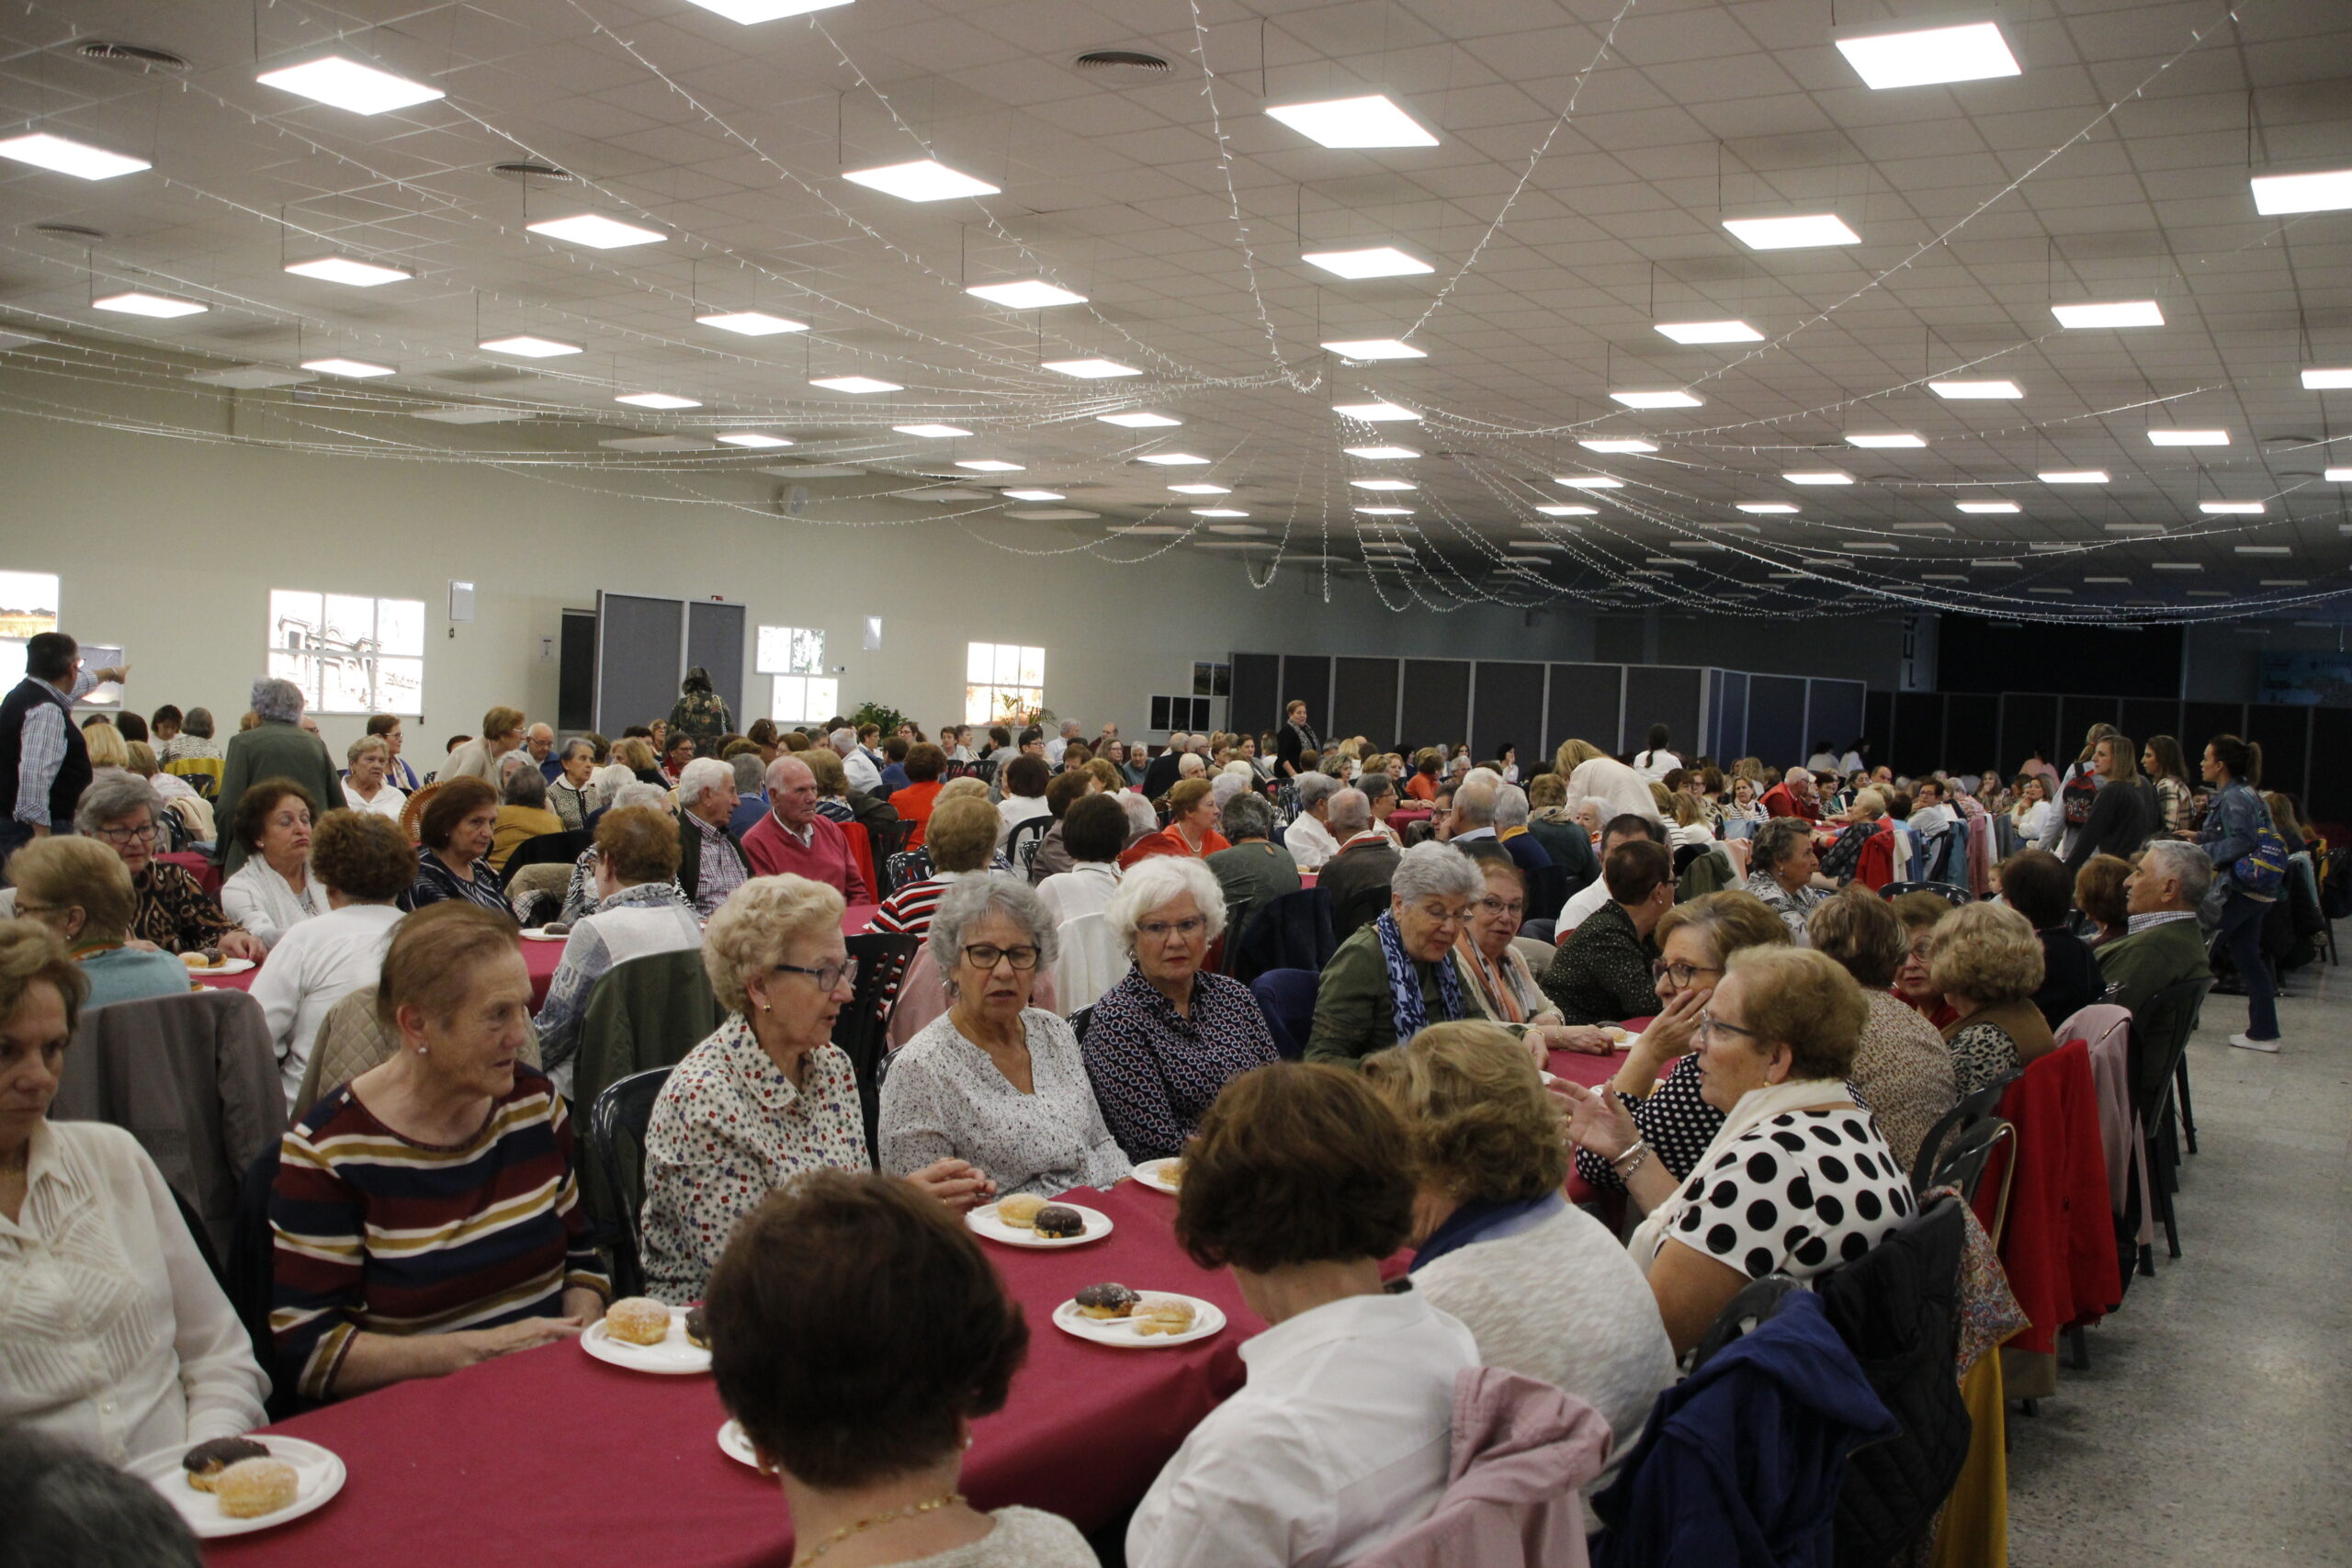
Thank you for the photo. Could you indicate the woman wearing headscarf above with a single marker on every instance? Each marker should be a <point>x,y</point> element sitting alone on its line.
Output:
<point>700,714</point>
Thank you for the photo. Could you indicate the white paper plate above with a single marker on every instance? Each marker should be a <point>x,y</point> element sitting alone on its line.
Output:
<point>1120,1332</point>
<point>540,934</point>
<point>319,1476</point>
<point>735,1445</point>
<point>226,967</point>
<point>674,1357</point>
<point>983,1220</point>
<point>1153,1173</point>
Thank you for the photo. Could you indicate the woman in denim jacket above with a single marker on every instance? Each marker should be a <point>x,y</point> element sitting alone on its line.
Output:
<point>2229,834</point>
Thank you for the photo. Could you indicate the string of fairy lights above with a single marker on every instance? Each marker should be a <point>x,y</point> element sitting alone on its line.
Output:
<point>1648,539</point>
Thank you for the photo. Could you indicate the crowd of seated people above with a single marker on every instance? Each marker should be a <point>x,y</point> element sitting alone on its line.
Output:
<point>1799,1035</point>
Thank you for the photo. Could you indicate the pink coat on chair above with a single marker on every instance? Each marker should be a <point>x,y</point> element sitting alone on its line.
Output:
<point>1522,1451</point>
<point>922,997</point>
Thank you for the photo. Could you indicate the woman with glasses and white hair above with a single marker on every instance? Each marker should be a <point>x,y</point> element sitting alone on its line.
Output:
<point>993,1080</point>
<point>1397,973</point>
<point>121,811</point>
<point>769,1097</point>
<point>1169,1035</point>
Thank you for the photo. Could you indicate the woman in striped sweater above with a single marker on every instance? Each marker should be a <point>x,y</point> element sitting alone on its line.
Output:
<point>427,1214</point>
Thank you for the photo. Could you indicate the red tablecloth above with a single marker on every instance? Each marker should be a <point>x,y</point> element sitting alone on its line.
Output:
<point>1591,1071</point>
<point>541,958</point>
<point>552,1457</point>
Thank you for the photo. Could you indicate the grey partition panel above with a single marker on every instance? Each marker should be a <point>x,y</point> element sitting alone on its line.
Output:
<point>1972,735</point>
<point>1307,680</point>
<point>2200,722</point>
<point>1730,716</point>
<point>1257,703</point>
<point>714,634</point>
<point>640,644</point>
<point>2145,717</point>
<point>1586,701</point>
<point>1363,699</point>
<point>1508,705</point>
<point>1835,713</point>
<point>575,699</point>
<point>1437,701</point>
<point>1776,719</point>
<point>1659,694</point>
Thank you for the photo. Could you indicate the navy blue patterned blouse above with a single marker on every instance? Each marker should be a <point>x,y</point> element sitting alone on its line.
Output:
<point>1155,1072</point>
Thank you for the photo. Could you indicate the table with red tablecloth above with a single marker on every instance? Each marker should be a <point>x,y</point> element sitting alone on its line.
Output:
<point>552,1457</point>
<point>1593,1071</point>
<point>540,957</point>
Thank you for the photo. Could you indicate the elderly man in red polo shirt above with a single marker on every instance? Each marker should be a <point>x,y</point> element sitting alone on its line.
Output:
<point>1793,796</point>
<point>792,837</point>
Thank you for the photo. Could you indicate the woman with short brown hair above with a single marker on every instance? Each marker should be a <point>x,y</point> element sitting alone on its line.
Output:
<point>362,864</point>
<point>1901,1065</point>
<point>460,819</point>
<point>1295,1184</point>
<point>273,892</point>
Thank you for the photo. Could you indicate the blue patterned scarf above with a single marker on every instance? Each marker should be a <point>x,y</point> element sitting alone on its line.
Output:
<point>1406,1008</point>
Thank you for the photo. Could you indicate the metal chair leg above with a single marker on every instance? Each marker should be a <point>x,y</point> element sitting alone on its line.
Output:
<point>2080,1344</point>
<point>2188,1111</point>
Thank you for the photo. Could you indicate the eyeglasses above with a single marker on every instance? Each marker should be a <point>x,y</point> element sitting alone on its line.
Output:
<point>1680,974</point>
<point>1160,931</point>
<point>120,836</point>
<point>828,977</point>
<point>983,956</point>
<point>1503,906</point>
<point>1709,1025</point>
<point>1443,917</point>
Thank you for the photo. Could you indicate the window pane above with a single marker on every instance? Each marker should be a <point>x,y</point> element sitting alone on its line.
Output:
<point>824,698</point>
<point>808,651</point>
<point>298,668</point>
<point>787,696</point>
<point>296,620</point>
<point>400,686</point>
<point>350,622</point>
<point>774,650</point>
<point>1007,664</point>
<point>1033,667</point>
<point>979,702</point>
<point>346,684</point>
<point>979,662</point>
<point>400,629</point>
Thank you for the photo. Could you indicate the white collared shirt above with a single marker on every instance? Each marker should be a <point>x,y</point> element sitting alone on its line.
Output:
<point>388,799</point>
<point>1310,843</point>
<point>317,965</point>
<point>1472,836</point>
<point>1084,889</point>
<point>1340,1439</point>
<point>861,770</point>
<point>113,1334</point>
<point>2135,924</point>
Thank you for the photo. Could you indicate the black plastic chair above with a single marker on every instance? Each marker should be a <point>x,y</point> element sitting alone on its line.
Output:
<point>862,1028</point>
<point>1963,1160</point>
<point>2160,1035</point>
<point>1950,891</point>
<point>250,1274</point>
<point>1079,1021</point>
<point>1540,930</point>
<point>1288,999</point>
<point>547,848</point>
<point>1971,1112</point>
<point>617,1141</point>
<point>1021,844</point>
<point>1294,932</point>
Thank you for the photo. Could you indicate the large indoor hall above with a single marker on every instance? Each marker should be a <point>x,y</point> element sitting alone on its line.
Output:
<point>1195,783</point>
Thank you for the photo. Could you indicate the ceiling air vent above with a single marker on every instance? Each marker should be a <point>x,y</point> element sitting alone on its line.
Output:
<point>128,56</point>
<point>534,173</point>
<point>73,234</point>
<point>1123,63</point>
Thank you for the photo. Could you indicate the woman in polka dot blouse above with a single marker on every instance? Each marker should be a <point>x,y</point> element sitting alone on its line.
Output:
<point>1798,1181</point>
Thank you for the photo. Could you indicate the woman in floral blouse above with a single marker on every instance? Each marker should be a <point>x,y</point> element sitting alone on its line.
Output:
<point>769,1097</point>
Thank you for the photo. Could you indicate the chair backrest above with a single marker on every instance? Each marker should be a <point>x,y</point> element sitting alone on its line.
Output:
<point>1973,1111</point>
<point>1020,845</point>
<point>250,1274</point>
<point>1090,961</point>
<point>412,812</point>
<point>860,1028</point>
<point>644,1012</point>
<point>547,848</point>
<point>1961,1162</point>
<point>921,997</point>
<point>616,1142</point>
<point>1547,890</point>
<point>1540,931</point>
<point>1294,932</point>
<point>1288,999</point>
<point>2160,1032</point>
<point>1080,1021</point>
<point>350,1042</point>
<point>1538,953</point>
<point>870,864</point>
<point>904,867</point>
<point>1950,892</point>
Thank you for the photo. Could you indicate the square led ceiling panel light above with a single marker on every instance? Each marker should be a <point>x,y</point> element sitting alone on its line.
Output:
<point>1819,477</point>
<point>989,466</point>
<point>349,271</point>
<point>2188,438</point>
<point>1036,496</point>
<point>1807,231</point>
<point>1588,481</point>
<point>1370,348</point>
<point>932,432</point>
<point>1892,439</point>
<point>754,439</point>
<point>61,156</point>
<point>1139,421</point>
<point>1989,508</point>
<point>1975,51</point>
<point>1619,444</point>
<point>1200,490</point>
<point>2275,195</point>
<point>597,231</point>
<point>1373,413</point>
<point>522,345</point>
<point>1173,459</point>
<point>2324,380</point>
<point>353,369</point>
<point>926,179</point>
<point>1768,508</point>
<point>1710,332</point>
<point>347,85</point>
<point>1035,294</point>
<point>2119,313</point>
<point>2073,476</point>
<point>1381,454</point>
<point>138,302</point>
<point>1380,261</point>
<point>656,401</point>
<point>752,323</point>
<point>1369,121</point>
<point>750,11</point>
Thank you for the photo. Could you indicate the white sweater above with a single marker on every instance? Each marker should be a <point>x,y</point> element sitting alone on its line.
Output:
<point>313,967</point>
<point>113,1334</point>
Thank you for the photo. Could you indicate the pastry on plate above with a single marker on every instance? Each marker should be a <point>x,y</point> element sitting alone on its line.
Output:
<point>205,1462</point>
<point>196,960</point>
<point>252,1487</point>
<point>697,1328</point>
<point>1020,1211</point>
<point>555,927</point>
<point>1106,1301</point>
<point>1053,1220</point>
<point>1164,1314</point>
<point>636,1320</point>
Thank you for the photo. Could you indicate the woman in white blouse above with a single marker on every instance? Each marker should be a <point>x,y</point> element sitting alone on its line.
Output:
<point>273,892</point>
<point>362,863</point>
<point>113,1333</point>
<point>368,786</point>
<point>993,1080</point>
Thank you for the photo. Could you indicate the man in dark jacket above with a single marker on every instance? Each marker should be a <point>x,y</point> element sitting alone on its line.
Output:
<point>1160,776</point>
<point>2124,814</point>
<point>1356,879</point>
<point>44,766</point>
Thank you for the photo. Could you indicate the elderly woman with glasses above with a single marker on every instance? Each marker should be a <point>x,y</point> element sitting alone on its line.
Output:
<point>1781,863</point>
<point>79,889</point>
<point>993,1080</point>
<point>1397,973</point>
<point>121,811</point>
<point>1169,1035</point>
<point>1654,1104</point>
<point>769,1097</point>
<point>1501,986</point>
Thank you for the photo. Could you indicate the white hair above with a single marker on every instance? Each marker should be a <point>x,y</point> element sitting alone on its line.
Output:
<point>1141,818</point>
<point>1225,786</point>
<point>1156,883</point>
<point>1314,787</point>
<point>1190,766</point>
<point>612,778</point>
<point>1511,806</point>
<point>1474,798</point>
<point>277,701</point>
<point>1797,775</point>
<point>1432,868</point>
<point>698,777</point>
<point>2188,862</point>
<point>843,741</point>
<point>637,791</point>
<point>1350,811</point>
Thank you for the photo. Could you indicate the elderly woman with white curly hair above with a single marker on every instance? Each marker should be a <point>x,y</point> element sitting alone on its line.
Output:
<point>1396,974</point>
<point>276,748</point>
<point>769,1097</point>
<point>993,1080</point>
<point>1169,1035</point>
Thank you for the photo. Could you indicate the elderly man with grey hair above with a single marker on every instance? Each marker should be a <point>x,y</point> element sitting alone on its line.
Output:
<point>1396,975</point>
<point>276,748</point>
<point>2162,944</point>
<point>1059,744</point>
<point>864,773</point>
<point>1253,871</point>
<point>1357,875</point>
<point>995,1081</point>
<point>1528,853</point>
<point>1309,835</point>
<point>751,792</point>
<point>711,863</point>
<point>1471,820</point>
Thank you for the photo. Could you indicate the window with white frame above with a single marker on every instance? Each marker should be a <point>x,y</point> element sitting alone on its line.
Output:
<point>1003,683</point>
<point>27,608</point>
<point>799,692</point>
<point>348,653</point>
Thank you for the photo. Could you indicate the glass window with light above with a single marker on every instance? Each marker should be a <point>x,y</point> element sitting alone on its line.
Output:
<point>799,692</point>
<point>1003,683</point>
<point>347,652</point>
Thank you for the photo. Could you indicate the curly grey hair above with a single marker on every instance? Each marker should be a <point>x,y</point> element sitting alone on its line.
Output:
<point>365,744</point>
<point>1313,787</point>
<point>113,796</point>
<point>1436,870</point>
<point>277,701</point>
<point>1157,883</point>
<point>1773,839</point>
<point>1248,816</point>
<point>637,791</point>
<point>970,898</point>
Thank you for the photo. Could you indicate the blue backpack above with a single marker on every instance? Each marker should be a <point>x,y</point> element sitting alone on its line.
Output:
<point>2263,869</point>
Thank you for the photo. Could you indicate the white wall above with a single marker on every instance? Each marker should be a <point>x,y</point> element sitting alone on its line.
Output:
<point>170,548</point>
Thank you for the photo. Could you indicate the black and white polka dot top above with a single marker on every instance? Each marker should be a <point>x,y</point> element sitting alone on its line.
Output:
<point>1798,1194</point>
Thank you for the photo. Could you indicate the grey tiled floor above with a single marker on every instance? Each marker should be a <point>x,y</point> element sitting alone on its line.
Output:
<point>2214,1426</point>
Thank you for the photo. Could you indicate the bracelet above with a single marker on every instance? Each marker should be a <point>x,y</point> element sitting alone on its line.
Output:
<point>1639,1151</point>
